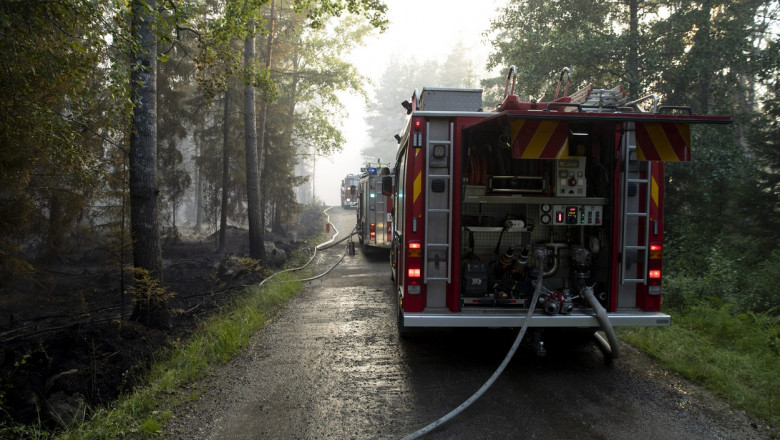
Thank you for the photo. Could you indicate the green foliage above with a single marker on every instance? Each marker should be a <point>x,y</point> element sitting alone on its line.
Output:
<point>212,147</point>
<point>305,119</point>
<point>151,426</point>
<point>763,207</point>
<point>720,275</point>
<point>218,57</point>
<point>317,11</point>
<point>737,356</point>
<point>54,113</point>
<point>66,106</point>
<point>557,34</point>
<point>33,432</point>
<point>299,92</point>
<point>147,289</point>
<point>177,115</point>
<point>760,292</point>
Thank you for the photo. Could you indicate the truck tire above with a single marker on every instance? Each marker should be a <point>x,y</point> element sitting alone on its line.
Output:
<point>405,332</point>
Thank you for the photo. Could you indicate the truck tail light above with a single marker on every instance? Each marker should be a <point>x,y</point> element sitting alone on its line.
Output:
<point>655,251</point>
<point>417,136</point>
<point>654,268</point>
<point>414,249</point>
<point>372,231</point>
<point>413,266</point>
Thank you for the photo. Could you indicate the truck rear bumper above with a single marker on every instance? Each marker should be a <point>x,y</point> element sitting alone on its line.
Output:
<point>379,245</point>
<point>578,319</point>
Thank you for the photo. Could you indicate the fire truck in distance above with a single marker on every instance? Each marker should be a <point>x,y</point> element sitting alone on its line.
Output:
<point>569,191</point>
<point>349,186</point>
<point>374,220</point>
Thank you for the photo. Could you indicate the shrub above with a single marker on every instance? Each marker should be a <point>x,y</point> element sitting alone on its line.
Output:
<point>761,290</point>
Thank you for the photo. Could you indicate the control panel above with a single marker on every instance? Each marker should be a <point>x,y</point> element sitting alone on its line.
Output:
<point>571,215</point>
<point>570,174</point>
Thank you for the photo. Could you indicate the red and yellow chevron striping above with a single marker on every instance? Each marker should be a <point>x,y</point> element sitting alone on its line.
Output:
<point>540,139</point>
<point>667,142</point>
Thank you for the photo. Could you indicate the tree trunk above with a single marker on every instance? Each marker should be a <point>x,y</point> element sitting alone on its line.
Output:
<point>225,171</point>
<point>261,156</point>
<point>256,248</point>
<point>278,226</point>
<point>264,194</point>
<point>703,45</point>
<point>199,183</point>
<point>51,250</point>
<point>633,49</point>
<point>143,167</point>
<point>264,104</point>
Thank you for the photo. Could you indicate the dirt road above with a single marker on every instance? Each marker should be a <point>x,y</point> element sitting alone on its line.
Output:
<point>331,366</point>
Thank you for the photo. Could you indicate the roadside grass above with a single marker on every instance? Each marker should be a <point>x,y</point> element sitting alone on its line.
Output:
<point>143,413</point>
<point>222,336</point>
<point>735,356</point>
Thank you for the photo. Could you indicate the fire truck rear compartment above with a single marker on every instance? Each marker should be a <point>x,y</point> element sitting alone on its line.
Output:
<point>571,188</point>
<point>497,242</point>
<point>510,206</point>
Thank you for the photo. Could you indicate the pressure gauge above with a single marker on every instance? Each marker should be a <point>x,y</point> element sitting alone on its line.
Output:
<point>546,207</point>
<point>545,219</point>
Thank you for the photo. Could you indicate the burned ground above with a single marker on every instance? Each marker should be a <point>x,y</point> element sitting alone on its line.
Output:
<point>68,343</point>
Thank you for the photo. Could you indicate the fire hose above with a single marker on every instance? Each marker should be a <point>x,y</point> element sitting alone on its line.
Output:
<point>601,315</point>
<point>611,345</point>
<point>540,254</point>
<point>322,246</point>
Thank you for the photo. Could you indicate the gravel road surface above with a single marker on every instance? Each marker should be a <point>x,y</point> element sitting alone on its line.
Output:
<point>331,366</point>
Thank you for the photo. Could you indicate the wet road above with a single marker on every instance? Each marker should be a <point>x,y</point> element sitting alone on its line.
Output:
<point>331,366</point>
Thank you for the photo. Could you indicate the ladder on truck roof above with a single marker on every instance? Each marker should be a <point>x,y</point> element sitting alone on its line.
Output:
<point>632,184</point>
<point>592,99</point>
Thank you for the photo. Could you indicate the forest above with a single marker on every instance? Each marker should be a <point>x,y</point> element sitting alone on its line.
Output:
<point>124,121</point>
<point>119,120</point>
<point>148,154</point>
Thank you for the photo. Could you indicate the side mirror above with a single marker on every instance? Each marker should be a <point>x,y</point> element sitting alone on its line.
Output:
<point>387,185</point>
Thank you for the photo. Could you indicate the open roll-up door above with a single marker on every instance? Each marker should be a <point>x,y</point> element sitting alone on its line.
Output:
<point>540,134</point>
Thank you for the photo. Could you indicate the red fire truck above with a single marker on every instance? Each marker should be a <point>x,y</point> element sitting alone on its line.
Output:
<point>349,185</point>
<point>569,191</point>
<point>374,223</point>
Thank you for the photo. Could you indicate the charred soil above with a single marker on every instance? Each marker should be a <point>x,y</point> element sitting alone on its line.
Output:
<point>68,343</point>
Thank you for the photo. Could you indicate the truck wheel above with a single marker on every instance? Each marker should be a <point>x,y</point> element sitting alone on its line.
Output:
<point>368,251</point>
<point>404,332</point>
